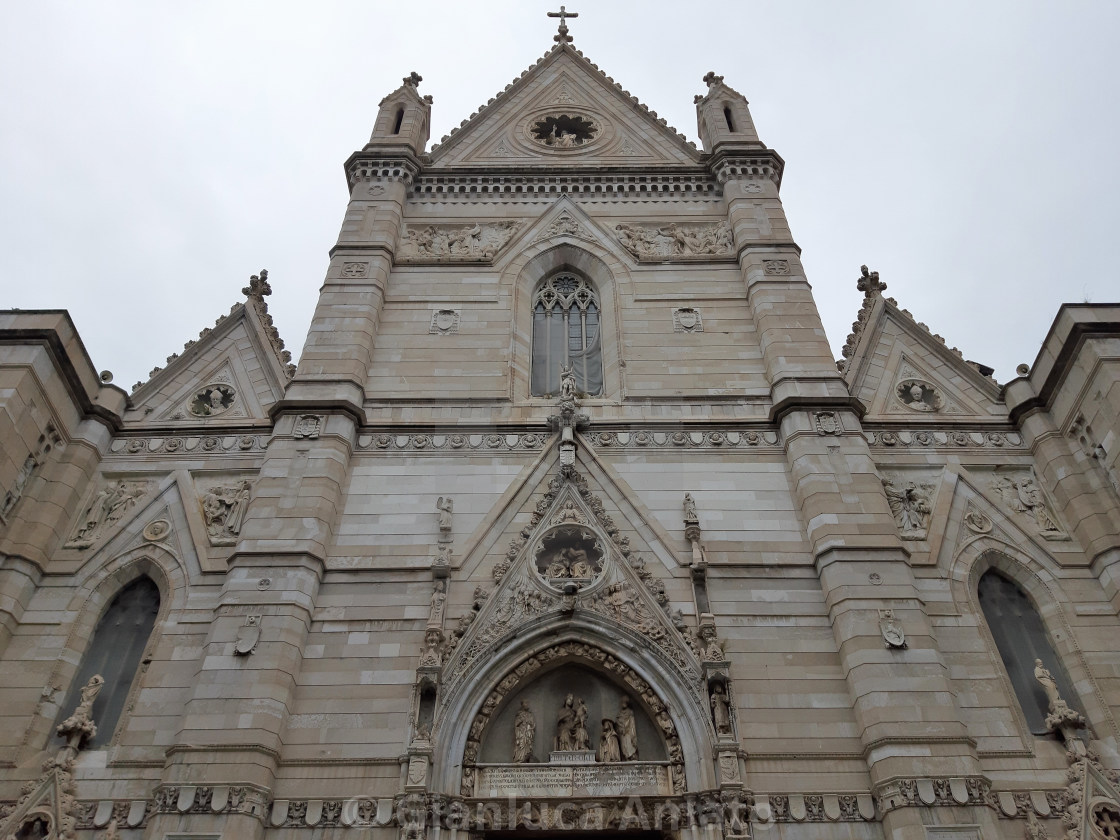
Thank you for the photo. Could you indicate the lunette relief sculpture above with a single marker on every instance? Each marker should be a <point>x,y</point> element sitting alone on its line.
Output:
<point>911,506</point>
<point>675,240</point>
<point>224,509</point>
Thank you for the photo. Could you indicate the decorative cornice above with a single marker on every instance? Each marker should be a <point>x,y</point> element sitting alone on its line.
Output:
<point>187,444</point>
<point>600,184</point>
<point>944,439</point>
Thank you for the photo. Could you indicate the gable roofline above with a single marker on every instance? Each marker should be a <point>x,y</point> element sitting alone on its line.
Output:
<point>874,309</point>
<point>464,128</point>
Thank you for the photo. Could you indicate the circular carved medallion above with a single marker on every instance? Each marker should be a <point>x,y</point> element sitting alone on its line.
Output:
<point>212,400</point>
<point>918,395</point>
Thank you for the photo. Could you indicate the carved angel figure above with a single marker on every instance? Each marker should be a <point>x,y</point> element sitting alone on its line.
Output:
<point>1023,496</point>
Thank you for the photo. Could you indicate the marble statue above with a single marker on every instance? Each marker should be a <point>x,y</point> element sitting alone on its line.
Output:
<point>721,710</point>
<point>627,732</point>
<point>565,725</point>
<point>445,506</point>
<point>911,507</point>
<point>524,728</point>
<point>567,381</point>
<point>581,739</point>
<point>608,743</point>
<point>690,514</point>
<point>1042,674</point>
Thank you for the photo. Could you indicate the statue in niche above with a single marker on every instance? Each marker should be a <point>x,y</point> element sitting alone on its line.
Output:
<point>439,599</point>
<point>609,749</point>
<point>445,506</point>
<point>1021,494</point>
<point>569,553</point>
<point>911,507</point>
<point>721,710</point>
<point>920,396</point>
<point>627,730</point>
<point>1061,718</point>
<point>581,739</point>
<point>565,725</point>
<point>524,728</point>
<point>80,726</point>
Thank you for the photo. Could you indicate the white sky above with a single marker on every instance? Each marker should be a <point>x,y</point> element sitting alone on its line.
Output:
<point>153,155</point>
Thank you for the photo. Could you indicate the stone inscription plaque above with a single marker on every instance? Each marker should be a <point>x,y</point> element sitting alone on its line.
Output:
<point>586,780</point>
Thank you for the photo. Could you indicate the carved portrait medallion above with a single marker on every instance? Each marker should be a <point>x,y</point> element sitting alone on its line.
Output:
<point>212,400</point>
<point>919,395</point>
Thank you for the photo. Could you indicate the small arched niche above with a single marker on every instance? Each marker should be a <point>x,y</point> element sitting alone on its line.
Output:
<point>546,698</point>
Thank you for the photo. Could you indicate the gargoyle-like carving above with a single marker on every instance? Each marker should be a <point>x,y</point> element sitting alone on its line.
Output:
<point>224,508</point>
<point>447,243</point>
<point>675,240</point>
<point>107,508</point>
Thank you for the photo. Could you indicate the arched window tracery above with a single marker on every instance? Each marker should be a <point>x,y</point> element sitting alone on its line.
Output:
<point>115,651</point>
<point>1021,638</point>
<point>566,331</point>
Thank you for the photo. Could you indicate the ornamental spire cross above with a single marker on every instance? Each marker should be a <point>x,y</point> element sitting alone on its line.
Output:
<point>562,35</point>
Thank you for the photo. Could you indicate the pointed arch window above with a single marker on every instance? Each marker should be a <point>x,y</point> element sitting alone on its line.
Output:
<point>1021,638</point>
<point>566,331</point>
<point>115,652</point>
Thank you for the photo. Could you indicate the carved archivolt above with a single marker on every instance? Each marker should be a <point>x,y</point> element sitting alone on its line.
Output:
<point>658,709</point>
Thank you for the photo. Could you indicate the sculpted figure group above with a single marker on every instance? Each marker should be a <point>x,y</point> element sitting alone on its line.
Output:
<point>675,240</point>
<point>618,738</point>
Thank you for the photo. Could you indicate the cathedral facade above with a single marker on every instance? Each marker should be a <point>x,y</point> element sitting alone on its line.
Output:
<point>568,521</point>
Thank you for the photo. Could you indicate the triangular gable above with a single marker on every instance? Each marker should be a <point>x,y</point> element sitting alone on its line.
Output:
<point>165,516</point>
<point>564,82</point>
<point>1093,801</point>
<point>572,558</point>
<point>563,221</point>
<point>230,375</point>
<point>46,802</point>
<point>901,371</point>
<point>974,513</point>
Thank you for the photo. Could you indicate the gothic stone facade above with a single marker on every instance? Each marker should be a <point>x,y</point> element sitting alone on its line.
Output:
<point>568,521</point>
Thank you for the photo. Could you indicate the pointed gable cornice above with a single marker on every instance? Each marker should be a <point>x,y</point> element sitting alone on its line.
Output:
<point>466,126</point>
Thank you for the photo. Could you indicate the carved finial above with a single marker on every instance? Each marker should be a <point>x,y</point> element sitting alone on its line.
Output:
<point>711,79</point>
<point>562,36</point>
<point>413,79</point>
<point>869,282</point>
<point>258,286</point>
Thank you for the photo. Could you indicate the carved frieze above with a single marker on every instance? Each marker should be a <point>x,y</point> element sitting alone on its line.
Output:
<point>655,243</point>
<point>211,444</point>
<point>455,243</point>
<point>939,439</point>
<point>719,439</point>
<point>443,443</point>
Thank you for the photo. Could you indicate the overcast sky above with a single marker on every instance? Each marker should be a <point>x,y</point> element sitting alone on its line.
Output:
<point>153,155</point>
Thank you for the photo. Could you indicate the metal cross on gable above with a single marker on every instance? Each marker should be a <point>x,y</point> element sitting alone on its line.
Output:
<point>562,35</point>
